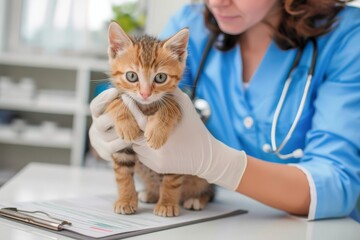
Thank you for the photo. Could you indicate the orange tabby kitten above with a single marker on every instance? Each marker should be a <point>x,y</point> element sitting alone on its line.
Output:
<point>147,70</point>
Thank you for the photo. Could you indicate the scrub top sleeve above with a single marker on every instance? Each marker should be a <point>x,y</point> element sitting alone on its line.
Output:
<point>332,154</point>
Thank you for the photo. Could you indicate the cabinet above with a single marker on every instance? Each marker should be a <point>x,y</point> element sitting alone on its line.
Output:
<point>54,121</point>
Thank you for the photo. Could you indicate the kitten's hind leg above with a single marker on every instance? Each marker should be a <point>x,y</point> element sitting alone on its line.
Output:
<point>170,194</point>
<point>197,192</point>
<point>151,181</point>
<point>127,201</point>
<point>196,203</point>
<point>147,196</point>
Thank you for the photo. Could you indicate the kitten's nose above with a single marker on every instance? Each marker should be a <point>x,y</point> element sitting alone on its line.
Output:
<point>145,95</point>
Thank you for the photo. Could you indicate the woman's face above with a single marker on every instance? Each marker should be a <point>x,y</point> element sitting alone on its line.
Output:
<point>237,16</point>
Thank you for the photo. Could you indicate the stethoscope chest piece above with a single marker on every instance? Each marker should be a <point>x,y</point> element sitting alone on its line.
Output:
<point>203,108</point>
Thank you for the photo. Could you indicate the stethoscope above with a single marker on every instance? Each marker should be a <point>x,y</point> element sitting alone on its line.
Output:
<point>204,110</point>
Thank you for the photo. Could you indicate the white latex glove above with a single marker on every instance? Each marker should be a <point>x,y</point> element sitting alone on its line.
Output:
<point>102,133</point>
<point>190,149</point>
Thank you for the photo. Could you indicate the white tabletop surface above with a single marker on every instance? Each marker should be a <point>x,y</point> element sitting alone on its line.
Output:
<point>47,182</point>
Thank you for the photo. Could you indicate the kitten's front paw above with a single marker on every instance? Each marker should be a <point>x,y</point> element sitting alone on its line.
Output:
<point>128,131</point>
<point>125,206</point>
<point>169,210</point>
<point>155,138</point>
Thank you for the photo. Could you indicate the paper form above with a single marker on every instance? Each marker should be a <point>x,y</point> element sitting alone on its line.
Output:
<point>94,216</point>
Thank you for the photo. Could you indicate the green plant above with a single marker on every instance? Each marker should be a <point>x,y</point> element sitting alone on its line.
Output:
<point>129,16</point>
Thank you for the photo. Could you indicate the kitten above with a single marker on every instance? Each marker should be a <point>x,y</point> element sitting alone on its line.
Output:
<point>147,70</point>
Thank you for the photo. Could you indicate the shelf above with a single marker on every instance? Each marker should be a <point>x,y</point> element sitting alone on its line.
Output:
<point>63,89</point>
<point>32,106</point>
<point>47,134</point>
<point>56,62</point>
<point>39,143</point>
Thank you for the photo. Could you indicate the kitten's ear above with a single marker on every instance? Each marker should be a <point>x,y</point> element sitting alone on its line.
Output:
<point>178,43</point>
<point>118,40</point>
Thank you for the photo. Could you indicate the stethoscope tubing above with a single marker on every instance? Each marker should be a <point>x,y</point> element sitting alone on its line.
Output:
<point>206,111</point>
<point>299,112</point>
<point>208,46</point>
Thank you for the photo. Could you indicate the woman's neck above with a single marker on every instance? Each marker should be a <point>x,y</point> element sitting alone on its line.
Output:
<point>254,43</point>
<point>257,38</point>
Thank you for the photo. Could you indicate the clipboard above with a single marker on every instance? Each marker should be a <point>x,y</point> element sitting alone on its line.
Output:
<point>30,217</point>
<point>58,225</point>
<point>96,212</point>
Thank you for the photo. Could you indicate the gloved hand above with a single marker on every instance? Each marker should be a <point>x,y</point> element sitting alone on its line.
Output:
<point>102,133</point>
<point>190,149</point>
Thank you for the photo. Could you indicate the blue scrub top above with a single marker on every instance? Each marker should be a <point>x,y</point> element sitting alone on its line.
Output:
<point>329,128</point>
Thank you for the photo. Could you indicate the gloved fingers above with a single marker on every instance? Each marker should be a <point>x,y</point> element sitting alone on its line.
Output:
<point>103,154</point>
<point>109,135</point>
<point>117,145</point>
<point>140,118</point>
<point>183,100</point>
<point>178,92</point>
<point>106,148</point>
<point>99,145</point>
<point>98,104</point>
<point>181,96</point>
<point>148,158</point>
<point>103,123</point>
<point>140,141</point>
<point>105,136</point>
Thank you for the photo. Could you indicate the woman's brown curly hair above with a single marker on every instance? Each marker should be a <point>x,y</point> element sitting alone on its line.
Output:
<point>300,20</point>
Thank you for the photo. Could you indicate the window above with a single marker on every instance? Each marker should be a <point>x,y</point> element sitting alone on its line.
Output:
<point>65,27</point>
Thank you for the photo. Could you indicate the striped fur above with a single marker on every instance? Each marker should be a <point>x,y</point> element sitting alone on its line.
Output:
<point>147,56</point>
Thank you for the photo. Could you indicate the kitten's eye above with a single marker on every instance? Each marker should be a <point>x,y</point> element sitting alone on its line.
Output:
<point>131,76</point>
<point>160,77</point>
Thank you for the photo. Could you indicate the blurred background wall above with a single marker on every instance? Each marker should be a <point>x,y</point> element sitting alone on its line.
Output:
<point>52,64</point>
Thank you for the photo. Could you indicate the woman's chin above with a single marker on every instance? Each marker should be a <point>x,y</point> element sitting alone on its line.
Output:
<point>231,29</point>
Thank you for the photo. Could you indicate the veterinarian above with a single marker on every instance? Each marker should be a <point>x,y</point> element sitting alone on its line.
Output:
<point>281,86</point>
